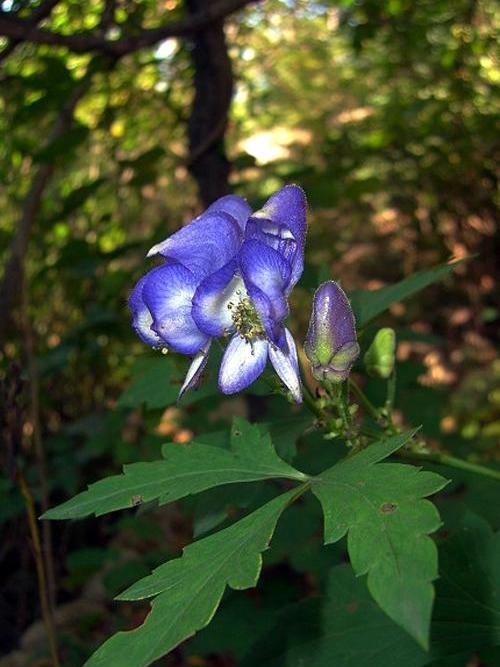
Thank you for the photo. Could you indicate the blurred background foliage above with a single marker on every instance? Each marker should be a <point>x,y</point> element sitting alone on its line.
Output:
<point>384,111</point>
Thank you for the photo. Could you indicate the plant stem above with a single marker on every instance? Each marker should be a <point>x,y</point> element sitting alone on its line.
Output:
<point>365,402</point>
<point>48,619</point>
<point>433,457</point>
<point>391,391</point>
<point>339,395</point>
<point>310,402</point>
<point>300,490</point>
<point>454,462</point>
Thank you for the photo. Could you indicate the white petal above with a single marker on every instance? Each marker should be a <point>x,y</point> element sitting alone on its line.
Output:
<point>286,365</point>
<point>242,363</point>
<point>195,370</point>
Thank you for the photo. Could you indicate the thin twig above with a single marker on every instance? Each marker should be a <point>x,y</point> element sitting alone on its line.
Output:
<point>40,455</point>
<point>47,616</point>
<point>430,457</point>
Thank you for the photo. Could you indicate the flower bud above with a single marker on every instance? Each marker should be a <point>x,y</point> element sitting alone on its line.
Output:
<point>331,344</point>
<point>380,356</point>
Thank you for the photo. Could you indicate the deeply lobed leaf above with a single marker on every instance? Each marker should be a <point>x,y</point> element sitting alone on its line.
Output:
<point>467,610</point>
<point>381,508</point>
<point>325,631</point>
<point>185,470</point>
<point>189,589</point>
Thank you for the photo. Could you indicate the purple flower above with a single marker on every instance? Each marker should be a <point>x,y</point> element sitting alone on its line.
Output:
<point>228,273</point>
<point>331,344</point>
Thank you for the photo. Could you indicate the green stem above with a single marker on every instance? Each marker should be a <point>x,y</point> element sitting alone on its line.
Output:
<point>342,402</point>
<point>300,490</point>
<point>454,462</point>
<point>311,403</point>
<point>365,402</point>
<point>391,391</point>
<point>433,457</point>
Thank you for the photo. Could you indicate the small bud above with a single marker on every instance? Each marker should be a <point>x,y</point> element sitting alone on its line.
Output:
<point>331,344</point>
<point>380,356</point>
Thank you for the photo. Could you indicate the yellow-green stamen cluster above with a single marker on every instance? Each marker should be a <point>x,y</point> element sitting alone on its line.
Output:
<point>246,319</point>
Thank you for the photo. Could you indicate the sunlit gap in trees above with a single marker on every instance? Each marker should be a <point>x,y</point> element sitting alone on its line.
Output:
<point>166,49</point>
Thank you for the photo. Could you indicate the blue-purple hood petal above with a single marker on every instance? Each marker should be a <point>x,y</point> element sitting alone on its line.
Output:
<point>205,245</point>
<point>281,223</point>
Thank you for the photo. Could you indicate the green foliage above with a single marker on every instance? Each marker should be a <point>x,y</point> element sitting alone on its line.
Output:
<point>76,198</point>
<point>380,508</point>
<point>186,469</point>
<point>467,611</point>
<point>63,147</point>
<point>156,383</point>
<point>368,304</point>
<point>345,628</point>
<point>189,589</point>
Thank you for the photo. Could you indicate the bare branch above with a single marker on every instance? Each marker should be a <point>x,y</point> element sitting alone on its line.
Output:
<point>85,42</point>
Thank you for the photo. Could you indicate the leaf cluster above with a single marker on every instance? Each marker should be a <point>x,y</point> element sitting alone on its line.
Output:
<point>379,506</point>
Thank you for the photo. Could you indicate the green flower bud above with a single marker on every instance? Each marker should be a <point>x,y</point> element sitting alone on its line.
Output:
<point>380,356</point>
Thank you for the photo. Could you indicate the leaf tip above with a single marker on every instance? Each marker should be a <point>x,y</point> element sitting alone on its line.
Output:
<point>422,639</point>
<point>52,514</point>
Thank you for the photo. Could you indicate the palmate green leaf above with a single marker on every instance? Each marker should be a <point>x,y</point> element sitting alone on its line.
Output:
<point>342,628</point>
<point>467,610</point>
<point>185,470</point>
<point>189,589</point>
<point>381,508</point>
<point>367,304</point>
<point>465,625</point>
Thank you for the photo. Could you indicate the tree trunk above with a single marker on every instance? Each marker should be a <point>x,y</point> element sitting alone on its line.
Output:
<point>213,83</point>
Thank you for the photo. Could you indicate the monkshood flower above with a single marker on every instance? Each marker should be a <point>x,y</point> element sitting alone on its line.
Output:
<point>228,274</point>
<point>331,344</point>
